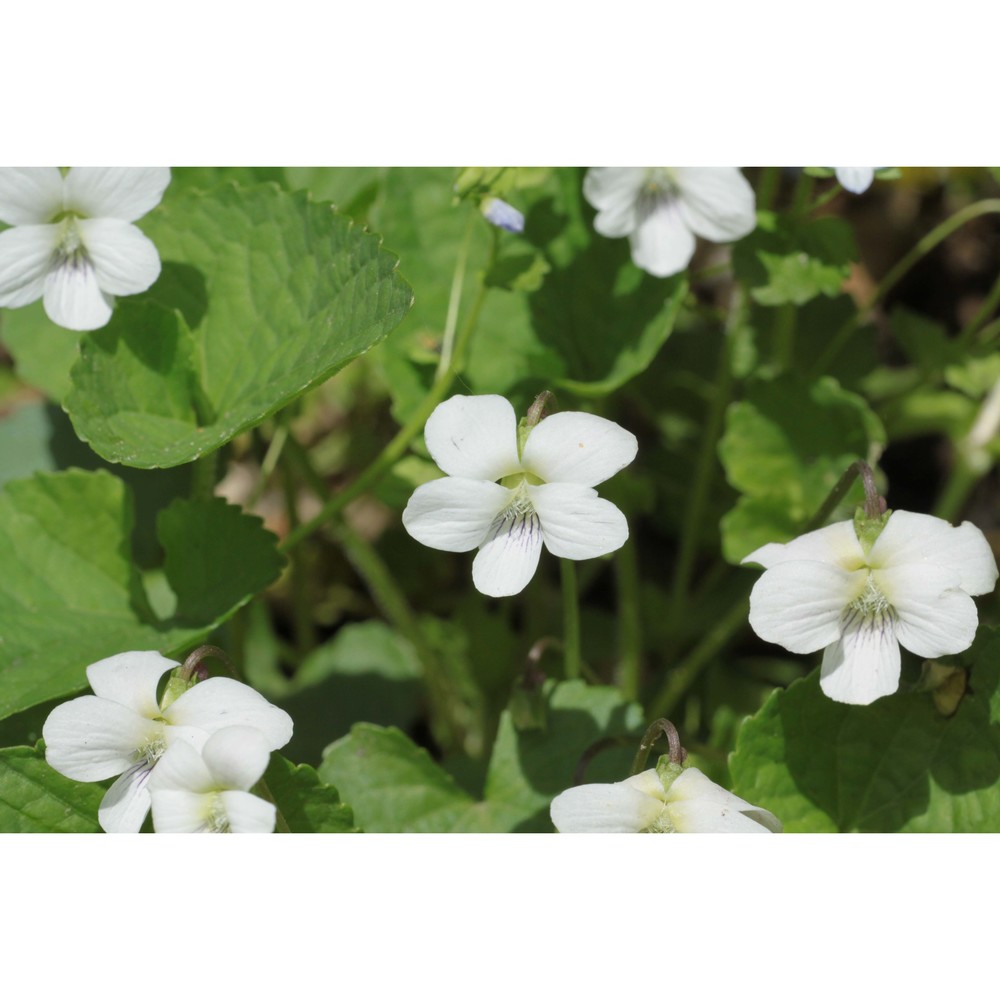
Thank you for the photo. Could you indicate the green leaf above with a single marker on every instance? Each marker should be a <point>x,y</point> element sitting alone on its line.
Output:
<point>70,593</point>
<point>366,671</point>
<point>895,765</point>
<point>788,443</point>
<point>394,786</point>
<point>36,799</point>
<point>216,557</point>
<point>306,803</point>
<point>793,259</point>
<point>264,295</point>
<point>43,352</point>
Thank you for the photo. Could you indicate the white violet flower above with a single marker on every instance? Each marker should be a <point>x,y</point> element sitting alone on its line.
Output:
<point>210,792</point>
<point>124,729</point>
<point>857,180</point>
<point>73,244</point>
<point>662,209</point>
<point>665,799</point>
<point>862,600</point>
<point>544,493</point>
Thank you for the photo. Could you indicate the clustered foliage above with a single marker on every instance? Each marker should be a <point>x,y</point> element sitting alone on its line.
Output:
<point>230,448</point>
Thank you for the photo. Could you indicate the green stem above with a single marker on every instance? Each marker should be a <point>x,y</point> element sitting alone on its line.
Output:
<point>840,490</point>
<point>921,249</point>
<point>680,679</point>
<point>983,313</point>
<point>767,189</point>
<point>571,620</point>
<point>629,621</point>
<point>397,447</point>
<point>705,468</point>
<point>455,301</point>
<point>269,464</point>
<point>203,477</point>
<point>825,198</point>
<point>960,484</point>
<point>803,189</point>
<point>302,621</point>
<point>385,592</point>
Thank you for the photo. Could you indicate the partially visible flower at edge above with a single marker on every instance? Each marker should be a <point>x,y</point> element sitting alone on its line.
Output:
<point>662,209</point>
<point>502,215</point>
<point>210,792</point>
<point>664,799</point>
<point>73,244</point>
<point>911,586</point>
<point>122,729</point>
<point>857,180</point>
<point>544,493</point>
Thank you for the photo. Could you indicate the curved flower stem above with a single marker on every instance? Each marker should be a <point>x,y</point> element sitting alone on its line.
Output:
<point>396,448</point>
<point>873,505</point>
<point>824,199</point>
<point>705,468</point>
<point>921,249</point>
<point>680,679</point>
<point>629,621</point>
<point>662,727</point>
<point>571,619</point>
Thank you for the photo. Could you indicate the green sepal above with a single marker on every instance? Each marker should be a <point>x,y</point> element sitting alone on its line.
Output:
<point>667,771</point>
<point>869,528</point>
<point>176,686</point>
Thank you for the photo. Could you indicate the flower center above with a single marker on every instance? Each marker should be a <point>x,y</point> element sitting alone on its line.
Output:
<point>151,751</point>
<point>70,250</point>
<point>519,513</point>
<point>871,602</point>
<point>659,187</point>
<point>217,819</point>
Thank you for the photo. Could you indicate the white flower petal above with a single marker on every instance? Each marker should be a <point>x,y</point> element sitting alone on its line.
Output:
<point>614,192</point>
<point>454,514</point>
<point>90,738</point>
<point>30,195</point>
<point>864,664</point>
<point>74,299</point>
<point>615,808</point>
<point>647,782</point>
<point>247,813</point>
<point>933,615</point>
<point>236,756</point>
<point>836,544</point>
<point>662,244</point>
<point>126,261</point>
<point>508,558</point>
<point>857,180</point>
<point>180,811</point>
<point>909,539</point>
<point>220,701</point>
<point>126,193</point>
<point>25,257</point>
<point>710,817</point>
<point>578,448</point>
<point>697,804</point>
<point>131,679</point>
<point>182,768</point>
<point>717,203</point>
<point>799,604</point>
<point>576,523</point>
<point>474,437</point>
<point>126,803</point>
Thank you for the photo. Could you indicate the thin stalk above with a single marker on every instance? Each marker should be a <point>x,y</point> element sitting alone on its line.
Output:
<point>680,679</point>
<point>397,447</point>
<point>382,586</point>
<point>923,247</point>
<point>983,313</point>
<point>454,302</point>
<point>302,621</point>
<point>203,477</point>
<point>767,189</point>
<point>705,468</point>
<point>571,619</point>
<point>840,490</point>
<point>629,621</point>
<point>960,484</point>
<point>269,464</point>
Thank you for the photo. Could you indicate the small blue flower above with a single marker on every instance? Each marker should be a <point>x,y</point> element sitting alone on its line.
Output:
<point>503,215</point>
